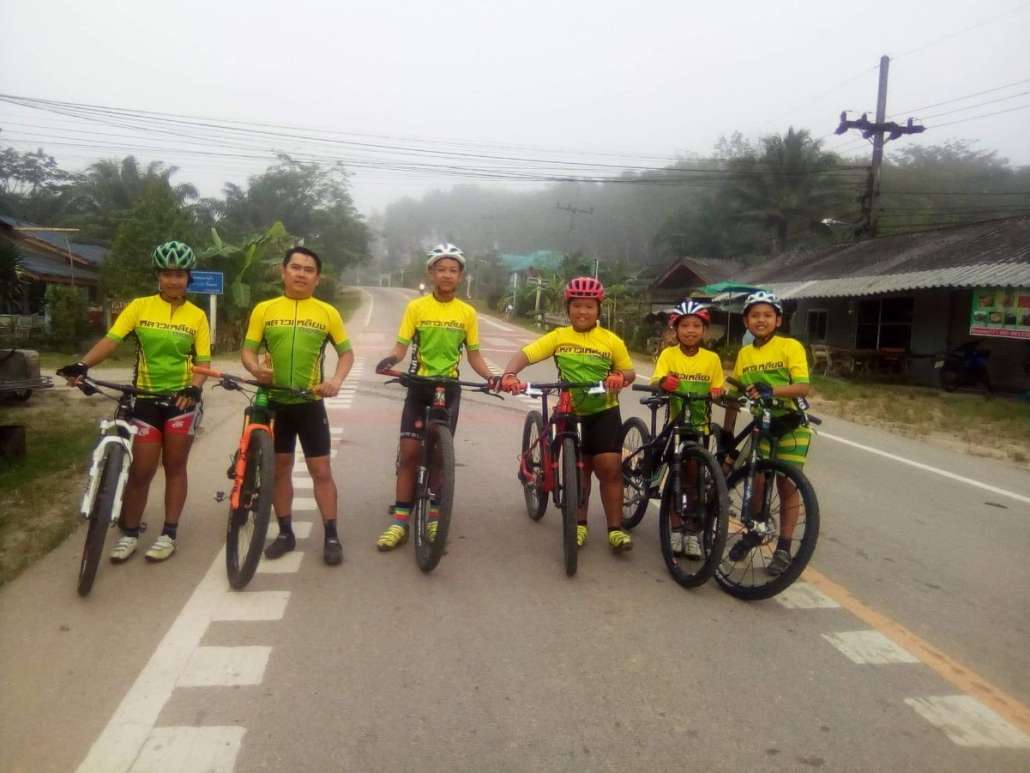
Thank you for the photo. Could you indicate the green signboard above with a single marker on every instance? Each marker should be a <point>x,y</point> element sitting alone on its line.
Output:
<point>1001,313</point>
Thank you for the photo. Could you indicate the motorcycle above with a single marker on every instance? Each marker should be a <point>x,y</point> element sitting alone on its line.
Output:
<point>964,365</point>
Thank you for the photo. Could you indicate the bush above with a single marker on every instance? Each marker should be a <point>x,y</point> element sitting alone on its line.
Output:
<point>67,308</point>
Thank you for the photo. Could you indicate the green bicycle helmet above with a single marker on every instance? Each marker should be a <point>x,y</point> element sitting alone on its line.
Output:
<point>174,256</point>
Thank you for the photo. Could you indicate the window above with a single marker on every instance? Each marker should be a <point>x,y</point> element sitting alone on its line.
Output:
<point>817,325</point>
<point>884,323</point>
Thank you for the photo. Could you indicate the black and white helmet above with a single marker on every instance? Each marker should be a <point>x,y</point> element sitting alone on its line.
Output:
<point>446,250</point>
<point>761,296</point>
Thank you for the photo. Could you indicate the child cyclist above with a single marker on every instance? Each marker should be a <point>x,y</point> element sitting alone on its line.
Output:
<point>687,369</point>
<point>584,351</point>
<point>773,366</point>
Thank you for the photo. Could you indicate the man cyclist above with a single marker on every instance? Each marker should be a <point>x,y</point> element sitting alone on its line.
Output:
<point>295,329</point>
<point>773,366</point>
<point>584,351</point>
<point>441,326</point>
<point>687,369</point>
<point>171,335</point>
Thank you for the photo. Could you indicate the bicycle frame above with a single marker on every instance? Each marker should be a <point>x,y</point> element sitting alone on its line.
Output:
<point>267,423</point>
<point>116,431</point>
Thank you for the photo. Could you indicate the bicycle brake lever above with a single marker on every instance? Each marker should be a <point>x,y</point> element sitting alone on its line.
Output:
<point>88,389</point>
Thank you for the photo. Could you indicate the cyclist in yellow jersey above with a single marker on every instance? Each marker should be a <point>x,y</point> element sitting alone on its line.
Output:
<point>584,351</point>
<point>441,326</point>
<point>773,366</point>
<point>294,329</point>
<point>171,334</point>
<point>687,369</point>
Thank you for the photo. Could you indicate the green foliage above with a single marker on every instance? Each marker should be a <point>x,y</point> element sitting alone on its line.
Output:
<point>67,308</point>
<point>12,284</point>
<point>156,217</point>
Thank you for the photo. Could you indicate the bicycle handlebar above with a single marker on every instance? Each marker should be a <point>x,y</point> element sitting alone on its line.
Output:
<point>657,390</point>
<point>231,382</point>
<point>738,385</point>
<point>536,390</point>
<point>402,377</point>
<point>87,385</point>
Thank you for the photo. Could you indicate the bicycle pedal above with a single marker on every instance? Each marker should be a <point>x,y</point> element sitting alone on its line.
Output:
<point>219,496</point>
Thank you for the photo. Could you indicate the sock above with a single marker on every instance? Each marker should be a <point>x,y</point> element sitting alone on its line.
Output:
<point>783,543</point>
<point>285,524</point>
<point>614,528</point>
<point>583,523</point>
<point>170,529</point>
<point>402,513</point>
<point>330,530</point>
<point>131,532</point>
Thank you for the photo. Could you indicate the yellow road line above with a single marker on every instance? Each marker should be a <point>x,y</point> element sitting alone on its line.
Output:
<point>949,669</point>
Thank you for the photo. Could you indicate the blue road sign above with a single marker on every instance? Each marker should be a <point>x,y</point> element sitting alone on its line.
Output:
<point>210,282</point>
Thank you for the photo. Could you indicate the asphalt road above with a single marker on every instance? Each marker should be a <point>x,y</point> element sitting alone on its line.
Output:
<point>904,647</point>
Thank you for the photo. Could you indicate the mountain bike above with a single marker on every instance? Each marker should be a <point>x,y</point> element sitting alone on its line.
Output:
<point>434,477</point>
<point>759,516</point>
<point>550,461</point>
<point>108,474</point>
<point>252,472</point>
<point>676,466</point>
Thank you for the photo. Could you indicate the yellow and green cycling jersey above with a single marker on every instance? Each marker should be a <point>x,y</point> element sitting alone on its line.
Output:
<point>295,334</point>
<point>583,357</point>
<point>698,374</point>
<point>778,362</point>
<point>441,329</point>
<point>169,340</point>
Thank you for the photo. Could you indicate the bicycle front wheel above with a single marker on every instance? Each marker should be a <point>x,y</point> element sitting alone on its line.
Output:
<point>569,504</point>
<point>783,505</point>
<point>636,480</point>
<point>692,528</point>
<point>531,469</point>
<point>430,540</point>
<point>248,523</point>
<point>101,517</point>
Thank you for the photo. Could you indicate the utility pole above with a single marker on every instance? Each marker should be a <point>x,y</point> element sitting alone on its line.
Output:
<point>870,201</point>
<point>573,211</point>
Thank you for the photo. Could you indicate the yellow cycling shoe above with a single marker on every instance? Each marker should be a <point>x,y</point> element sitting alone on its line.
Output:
<point>581,535</point>
<point>619,541</point>
<point>394,536</point>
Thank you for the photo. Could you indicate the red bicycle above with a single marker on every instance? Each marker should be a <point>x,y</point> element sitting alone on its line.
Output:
<point>550,461</point>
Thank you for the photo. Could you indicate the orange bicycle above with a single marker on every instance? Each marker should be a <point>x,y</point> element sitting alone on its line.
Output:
<point>253,474</point>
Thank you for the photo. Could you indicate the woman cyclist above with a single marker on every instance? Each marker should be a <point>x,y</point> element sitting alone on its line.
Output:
<point>171,335</point>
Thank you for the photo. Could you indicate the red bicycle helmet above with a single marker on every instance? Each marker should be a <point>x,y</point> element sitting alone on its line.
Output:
<point>584,287</point>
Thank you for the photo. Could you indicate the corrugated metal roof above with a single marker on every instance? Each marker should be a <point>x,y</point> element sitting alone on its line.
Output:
<point>44,265</point>
<point>982,275</point>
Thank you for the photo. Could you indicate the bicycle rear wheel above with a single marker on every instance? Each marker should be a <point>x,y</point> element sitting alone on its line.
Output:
<point>705,521</point>
<point>531,465</point>
<point>248,524</point>
<point>752,540</point>
<point>100,517</point>
<point>429,546</point>
<point>569,504</point>
<point>636,479</point>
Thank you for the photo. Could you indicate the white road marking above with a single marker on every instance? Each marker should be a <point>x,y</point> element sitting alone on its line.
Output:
<point>869,647</point>
<point>802,595</point>
<point>174,749</point>
<point>967,722</point>
<point>304,503</point>
<point>301,530</point>
<point>928,468</point>
<point>336,430</point>
<point>251,606</point>
<point>500,325</point>
<point>303,483</point>
<point>288,563</point>
<point>371,305</point>
<point>225,666</point>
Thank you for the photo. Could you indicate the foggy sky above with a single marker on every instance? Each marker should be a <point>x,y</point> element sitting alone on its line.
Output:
<point>634,79</point>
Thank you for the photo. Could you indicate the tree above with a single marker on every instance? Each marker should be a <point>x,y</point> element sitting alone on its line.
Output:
<point>12,283</point>
<point>32,187</point>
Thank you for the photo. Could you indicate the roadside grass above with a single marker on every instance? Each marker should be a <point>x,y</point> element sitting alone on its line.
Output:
<point>984,423</point>
<point>348,299</point>
<point>41,491</point>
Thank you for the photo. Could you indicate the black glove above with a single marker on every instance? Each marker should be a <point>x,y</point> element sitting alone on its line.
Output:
<point>75,370</point>
<point>765,391</point>
<point>494,383</point>
<point>192,392</point>
<point>386,364</point>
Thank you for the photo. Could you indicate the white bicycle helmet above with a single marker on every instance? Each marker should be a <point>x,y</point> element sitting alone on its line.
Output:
<point>761,296</point>
<point>446,250</point>
<point>690,308</point>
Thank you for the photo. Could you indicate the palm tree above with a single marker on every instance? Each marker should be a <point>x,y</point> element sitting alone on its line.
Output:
<point>12,284</point>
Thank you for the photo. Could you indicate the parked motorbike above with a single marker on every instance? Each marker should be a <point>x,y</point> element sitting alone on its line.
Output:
<point>964,365</point>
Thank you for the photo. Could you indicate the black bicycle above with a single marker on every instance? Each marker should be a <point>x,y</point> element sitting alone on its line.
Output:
<point>772,503</point>
<point>434,480</point>
<point>675,465</point>
<point>108,473</point>
<point>550,462</point>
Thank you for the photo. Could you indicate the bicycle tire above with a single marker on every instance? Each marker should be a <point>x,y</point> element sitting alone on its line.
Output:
<point>636,479</point>
<point>711,534</point>
<point>569,505</point>
<point>742,579</point>
<point>100,517</point>
<point>248,524</point>
<point>533,453</point>
<point>428,552</point>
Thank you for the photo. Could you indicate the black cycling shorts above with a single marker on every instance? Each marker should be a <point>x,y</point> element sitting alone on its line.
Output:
<point>602,432</point>
<point>421,395</point>
<point>156,417</point>
<point>308,421</point>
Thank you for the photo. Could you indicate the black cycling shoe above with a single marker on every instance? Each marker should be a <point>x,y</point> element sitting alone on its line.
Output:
<point>332,553</point>
<point>744,546</point>
<point>280,546</point>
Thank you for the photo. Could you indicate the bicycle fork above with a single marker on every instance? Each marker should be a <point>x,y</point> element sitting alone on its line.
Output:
<point>96,469</point>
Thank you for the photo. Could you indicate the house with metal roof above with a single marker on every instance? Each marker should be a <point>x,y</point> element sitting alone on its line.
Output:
<point>895,300</point>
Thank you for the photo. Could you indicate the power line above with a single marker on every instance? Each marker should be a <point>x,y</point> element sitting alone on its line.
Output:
<point>977,117</point>
<point>973,107</point>
<point>910,111</point>
<point>1021,7</point>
